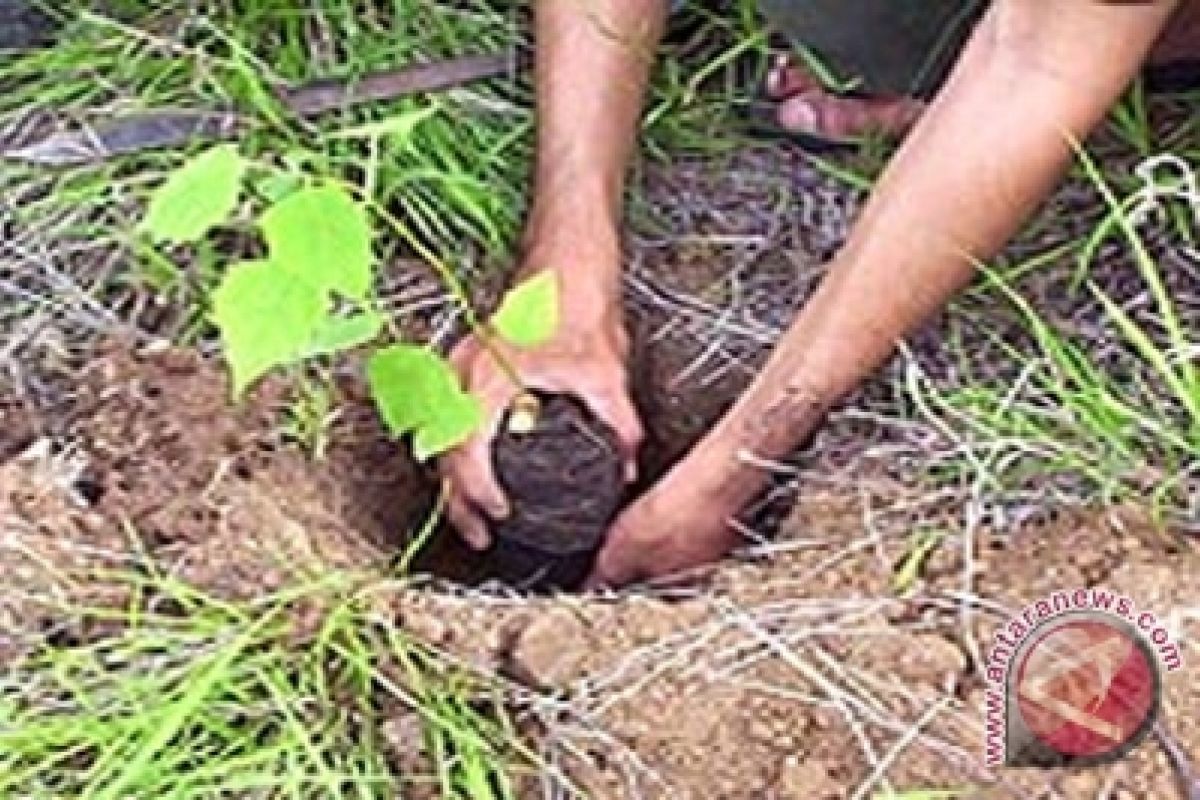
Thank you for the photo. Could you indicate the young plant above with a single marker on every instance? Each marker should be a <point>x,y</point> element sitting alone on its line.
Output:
<point>312,294</point>
<point>309,417</point>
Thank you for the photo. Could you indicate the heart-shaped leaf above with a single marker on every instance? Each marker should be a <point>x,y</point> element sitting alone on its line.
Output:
<point>322,236</point>
<point>417,391</point>
<point>265,321</point>
<point>335,334</point>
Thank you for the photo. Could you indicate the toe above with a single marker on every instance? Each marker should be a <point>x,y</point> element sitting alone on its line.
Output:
<point>786,79</point>
<point>845,118</point>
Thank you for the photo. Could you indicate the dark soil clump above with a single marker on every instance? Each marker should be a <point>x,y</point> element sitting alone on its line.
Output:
<point>564,481</point>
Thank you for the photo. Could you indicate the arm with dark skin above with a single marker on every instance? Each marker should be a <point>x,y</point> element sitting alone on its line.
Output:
<point>1035,76</point>
<point>593,57</point>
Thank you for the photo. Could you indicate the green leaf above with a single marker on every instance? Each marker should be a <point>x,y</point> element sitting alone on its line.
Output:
<point>335,334</point>
<point>417,391</point>
<point>197,197</point>
<point>454,425</point>
<point>266,319</point>
<point>528,314</point>
<point>322,236</point>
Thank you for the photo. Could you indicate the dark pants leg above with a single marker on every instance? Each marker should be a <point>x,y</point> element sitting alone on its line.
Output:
<point>888,47</point>
<point>22,25</point>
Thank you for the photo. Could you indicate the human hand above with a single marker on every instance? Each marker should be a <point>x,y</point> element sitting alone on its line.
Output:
<point>585,358</point>
<point>683,522</point>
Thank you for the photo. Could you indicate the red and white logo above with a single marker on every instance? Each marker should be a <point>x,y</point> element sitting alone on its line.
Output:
<point>1074,678</point>
<point>1086,686</point>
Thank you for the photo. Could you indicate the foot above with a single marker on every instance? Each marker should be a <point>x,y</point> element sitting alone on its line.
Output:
<point>22,25</point>
<point>805,107</point>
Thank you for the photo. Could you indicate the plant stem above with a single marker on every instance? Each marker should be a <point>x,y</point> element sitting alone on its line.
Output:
<point>451,281</point>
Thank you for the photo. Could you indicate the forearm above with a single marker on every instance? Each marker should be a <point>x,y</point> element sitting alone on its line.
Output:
<point>989,149</point>
<point>593,58</point>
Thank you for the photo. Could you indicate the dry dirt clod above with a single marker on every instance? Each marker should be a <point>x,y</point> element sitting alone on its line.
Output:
<point>1082,783</point>
<point>807,780</point>
<point>429,628</point>
<point>551,651</point>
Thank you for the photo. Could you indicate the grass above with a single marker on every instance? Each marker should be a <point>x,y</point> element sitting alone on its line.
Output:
<point>1091,394</point>
<point>455,174</point>
<point>461,174</point>
<point>1069,377</point>
<point>1067,374</point>
<point>192,696</point>
<point>458,175</point>
<point>458,178</point>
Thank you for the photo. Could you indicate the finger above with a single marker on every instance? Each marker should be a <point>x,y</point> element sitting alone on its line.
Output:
<point>616,564</point>
<point>469,466</point>
<point>468,522</point>
<point>595,582</point>
<point>463,353</point>
<point>475,479</point>
<point>617,409</point>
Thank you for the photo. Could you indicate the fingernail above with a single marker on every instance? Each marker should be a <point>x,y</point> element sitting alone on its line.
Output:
<point>631,471</point>
<point>773,82</point>
<point>499,509</point>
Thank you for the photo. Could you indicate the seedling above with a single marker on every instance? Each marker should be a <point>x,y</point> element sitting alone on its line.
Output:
<point>312,295</point>
<point>309,417</point>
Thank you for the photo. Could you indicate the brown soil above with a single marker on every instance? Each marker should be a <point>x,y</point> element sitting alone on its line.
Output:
<point>149,459</point>
<point>774,680</point>
<point>791,673</point>
<point>564,481</point>
<point>798,670</point>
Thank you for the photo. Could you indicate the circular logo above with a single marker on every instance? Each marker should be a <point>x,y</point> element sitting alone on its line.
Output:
<point>1087,687</point>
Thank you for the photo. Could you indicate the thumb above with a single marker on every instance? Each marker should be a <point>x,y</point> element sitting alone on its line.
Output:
<point>469,466</point>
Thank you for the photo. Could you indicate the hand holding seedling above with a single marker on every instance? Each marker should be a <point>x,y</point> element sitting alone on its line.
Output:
<point>952,196</point>
<point>585,139</point>
<point>585,358</point>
